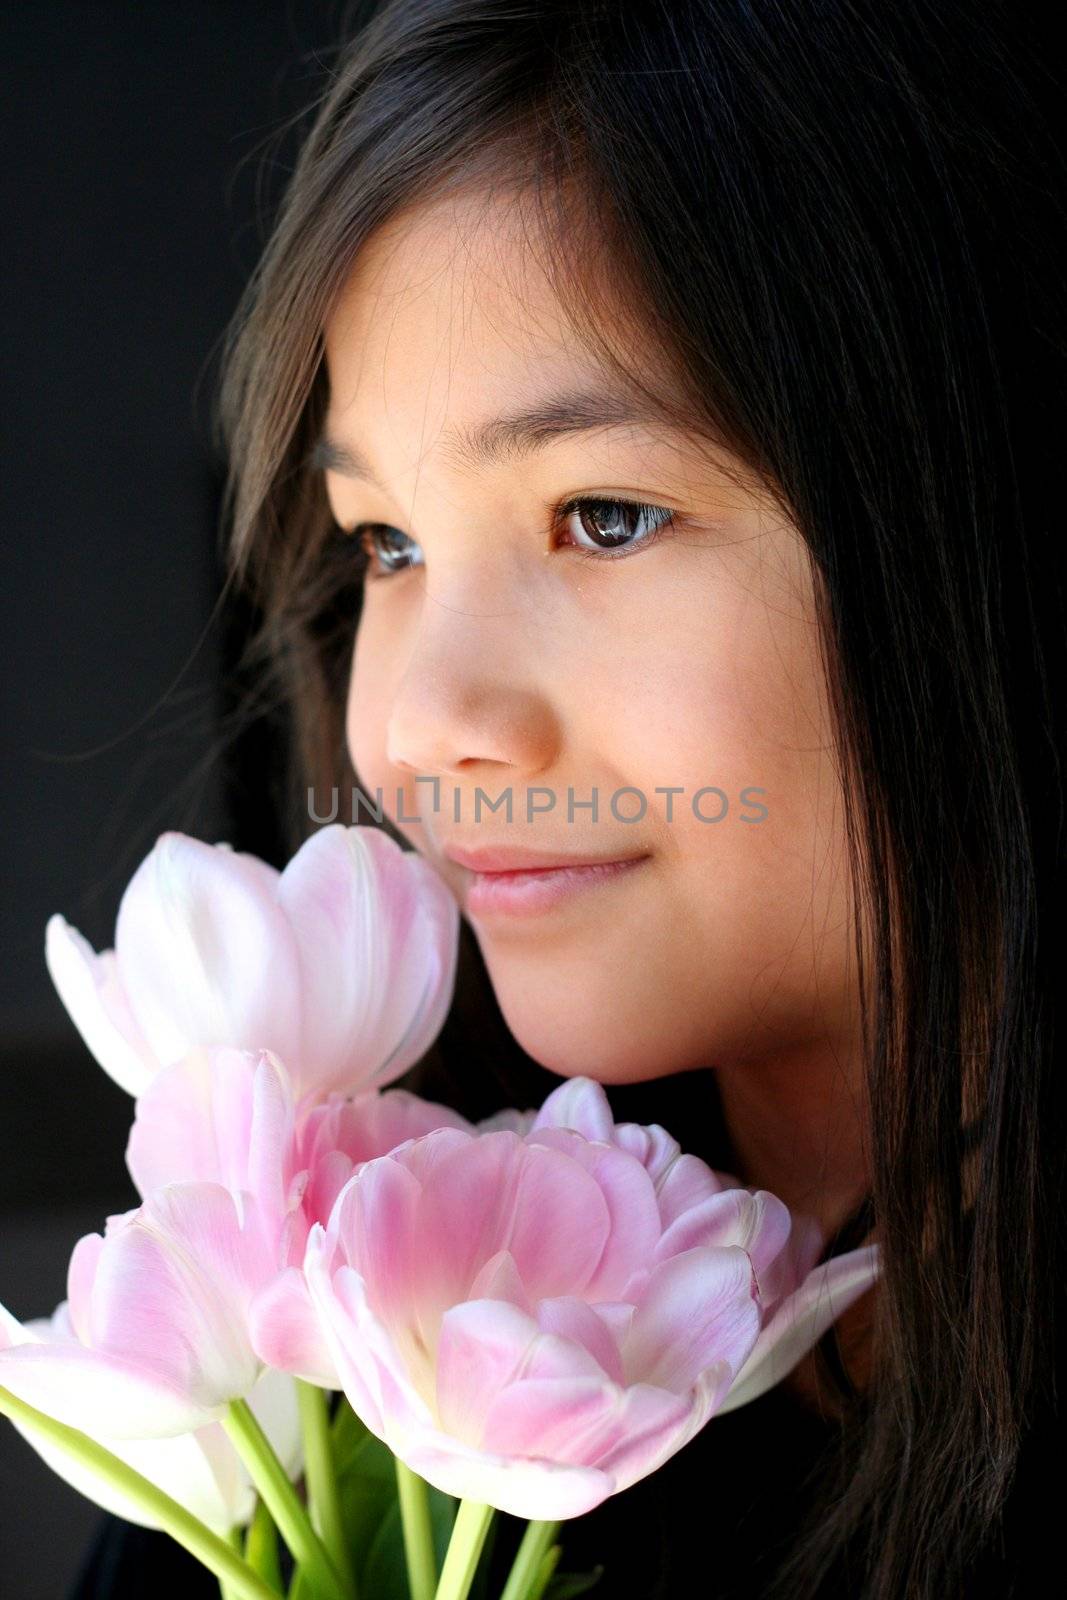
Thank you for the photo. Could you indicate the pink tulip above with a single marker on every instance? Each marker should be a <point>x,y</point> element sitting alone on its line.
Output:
<point>201,1469</point>
<point>343,964</point>
<point>154,1331</point>
<point>535,1320</point>
<point>687,1187</point>
<point>335,1139</point>
<point>799,1300</point>
<point>229,1117</point>
<point>153,1340</point>
<point>220,1116</point>
<point>339,1134</point>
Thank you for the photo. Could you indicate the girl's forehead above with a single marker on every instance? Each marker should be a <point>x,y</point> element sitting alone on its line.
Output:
<point>464,269</point>
<point>449,321</point>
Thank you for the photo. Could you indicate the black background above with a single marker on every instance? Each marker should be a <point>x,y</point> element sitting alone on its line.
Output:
<point>144,149</point>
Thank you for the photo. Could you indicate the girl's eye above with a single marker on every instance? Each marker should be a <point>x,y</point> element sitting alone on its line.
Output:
<point>600,527</point>
<point>613,527</point>
<point>389,546</point>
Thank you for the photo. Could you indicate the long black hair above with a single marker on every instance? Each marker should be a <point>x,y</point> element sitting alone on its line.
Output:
<point>842,221</point>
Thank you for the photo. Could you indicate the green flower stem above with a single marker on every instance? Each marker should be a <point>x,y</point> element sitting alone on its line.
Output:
<point>323,1500</point>
<point>234,1537</point>
<point>187,1530</point>
<point>283,1502</point>
<point>261,1547</point>
<point>464,1548</point>
<point>548,1567</point>
<point>529,1559</point>
<point>418,1532</point>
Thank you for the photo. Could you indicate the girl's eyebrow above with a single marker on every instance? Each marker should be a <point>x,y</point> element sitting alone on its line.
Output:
<point>507,437</point>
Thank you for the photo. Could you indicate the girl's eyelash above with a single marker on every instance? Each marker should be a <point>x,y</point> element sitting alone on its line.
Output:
<point>580,502</point>
<point>667,519</point>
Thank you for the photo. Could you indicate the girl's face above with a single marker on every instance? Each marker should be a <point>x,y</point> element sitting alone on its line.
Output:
<point>504,654</point>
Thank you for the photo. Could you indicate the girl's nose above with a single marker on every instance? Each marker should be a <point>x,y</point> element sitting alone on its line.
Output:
<point>470,695</point>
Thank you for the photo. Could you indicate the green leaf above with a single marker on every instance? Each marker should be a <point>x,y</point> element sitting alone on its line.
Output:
<point>365,1501</point>
<point>348,1435</point>
<point>383,1573</point>
<point>366,1476</point>
<point>261,1547</point>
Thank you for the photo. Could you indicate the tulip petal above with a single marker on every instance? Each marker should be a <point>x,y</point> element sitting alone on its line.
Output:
<point>634,1226</point>
<point>200,1469</point>
<point>617,1316</point>
<point>555,1219</point>
<point>326,1178</point>
<point>685,1182</point>
<point>581,1104</point>
<point>218,1115</point>
<point>205,955</point>
<point>381,1388</point>
<point>285,1330</point>
<point>273,1401</point>
<point>178,1466</point>
<point>653,1146</point>
<point>482,1345</point>
<point>377,1214</point>
<point>538,1489</point>
<point>439,929</point>
<point>371,1125</point>
<point>800,1321</point>
<point>376,935</point>
<point>586,1422</point>
<point>423,1155</point>
<point>787,1272</point>
<point>102,1395</point>
<point>33,1366</point>
<point>760,1223</point>
<point>172,1288</point>
<point>499,1279</point>
<point>558,1418</point>
<point>698,1308</point>
<point>81,1275</point>
<point>520,1122</point>
<point>571,1318</point>
<point>89,987</point>
<point>652,1424</point>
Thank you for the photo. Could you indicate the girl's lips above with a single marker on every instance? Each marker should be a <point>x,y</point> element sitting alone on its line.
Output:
<point>527,892</point>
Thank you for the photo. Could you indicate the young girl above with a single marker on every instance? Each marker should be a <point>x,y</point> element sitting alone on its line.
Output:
<point>641,429</point>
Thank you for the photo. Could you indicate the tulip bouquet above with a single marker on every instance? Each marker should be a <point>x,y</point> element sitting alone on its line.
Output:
<point>345,1324</point>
